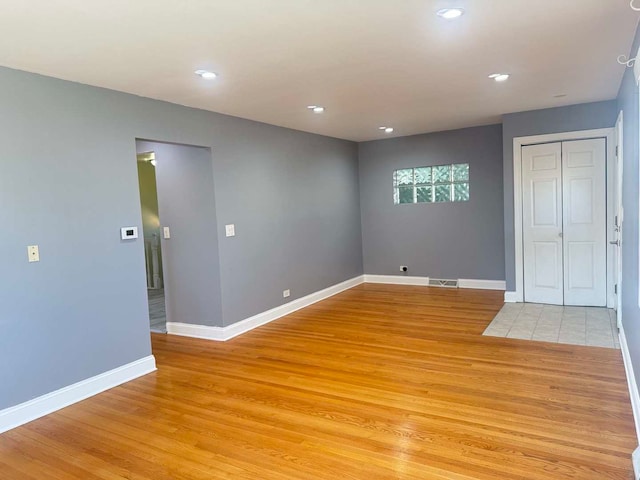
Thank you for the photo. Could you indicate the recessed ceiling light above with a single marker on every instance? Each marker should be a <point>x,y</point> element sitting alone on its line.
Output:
<point>206,74</point>
<point>316,108</point>
<point>500,77</point>
<point>386,129</point>
<point>450,13</point>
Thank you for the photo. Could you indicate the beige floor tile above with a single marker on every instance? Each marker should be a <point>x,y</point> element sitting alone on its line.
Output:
<point>589,326</point>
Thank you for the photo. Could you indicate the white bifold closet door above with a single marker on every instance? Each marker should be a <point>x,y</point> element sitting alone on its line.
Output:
<point>564,223</point>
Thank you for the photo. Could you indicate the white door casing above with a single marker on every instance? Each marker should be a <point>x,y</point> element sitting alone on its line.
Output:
<point>616,243</point>
<point>517,294</point>
<point>542,223</point>
<point>584,218</point>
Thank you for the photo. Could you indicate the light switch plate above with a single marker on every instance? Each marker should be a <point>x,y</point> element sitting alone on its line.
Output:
<point>34,253</point>
<point>166,232</point>
<point>286,293</point>
<point>230,230</point>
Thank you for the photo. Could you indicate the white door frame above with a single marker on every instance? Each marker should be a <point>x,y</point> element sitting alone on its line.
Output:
<point>518,143</point>
<point>618,207</point>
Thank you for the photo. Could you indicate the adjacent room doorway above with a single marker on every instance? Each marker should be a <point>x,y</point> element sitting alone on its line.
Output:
<point>181,235</point>
<point>147,183</point>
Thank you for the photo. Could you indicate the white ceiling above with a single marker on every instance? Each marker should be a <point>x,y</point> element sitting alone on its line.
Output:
<point>369,62</point>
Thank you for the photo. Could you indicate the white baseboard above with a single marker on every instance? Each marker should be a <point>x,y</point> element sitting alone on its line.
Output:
<point>226,333</point>
<point>397,280</point>
<point>482,284</point>
<point>510,297</point>
<point>231,331</point>
<point>631,381</point>
<point>197,331</point>
<point>13,417</point>
<point>424,281</point>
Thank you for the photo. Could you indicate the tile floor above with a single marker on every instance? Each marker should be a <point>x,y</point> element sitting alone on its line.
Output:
<point>157,310</point>
<point>589,326</point>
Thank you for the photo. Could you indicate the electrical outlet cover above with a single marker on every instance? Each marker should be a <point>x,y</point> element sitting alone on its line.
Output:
<point>33,253</point>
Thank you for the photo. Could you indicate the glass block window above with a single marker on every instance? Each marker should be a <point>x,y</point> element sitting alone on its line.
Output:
<point>436,184</point>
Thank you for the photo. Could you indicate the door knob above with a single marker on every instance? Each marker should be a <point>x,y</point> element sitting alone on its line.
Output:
<point>560,234</point>
<point>615,242</point>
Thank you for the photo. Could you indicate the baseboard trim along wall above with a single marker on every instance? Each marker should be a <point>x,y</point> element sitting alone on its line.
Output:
<point>397,280</point>
<point>510,297</point>
<point>17,415</point>
<point>424,281</point>
<point>631,381</point>
<point>222,334</point>
<point>238,328</point>
<point>482,284</point>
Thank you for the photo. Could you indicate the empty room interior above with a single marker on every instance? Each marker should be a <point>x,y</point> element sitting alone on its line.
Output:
<point>295,239</point>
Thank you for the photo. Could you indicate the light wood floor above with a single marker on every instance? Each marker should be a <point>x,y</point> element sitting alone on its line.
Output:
<point>379,382</point>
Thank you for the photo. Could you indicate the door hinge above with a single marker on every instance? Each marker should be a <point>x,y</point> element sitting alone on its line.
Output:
<point>615,289</point>
<point>617,150</point>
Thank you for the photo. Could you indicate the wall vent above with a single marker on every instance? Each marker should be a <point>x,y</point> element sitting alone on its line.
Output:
<point>441,282</point>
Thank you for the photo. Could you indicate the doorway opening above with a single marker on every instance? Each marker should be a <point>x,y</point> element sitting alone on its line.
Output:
<point>146,162</point>
<point>177,196</point>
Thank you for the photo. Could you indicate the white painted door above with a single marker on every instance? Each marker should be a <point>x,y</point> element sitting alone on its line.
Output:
<point>542,223</point>
<point>584,222</point>
<point>564,223</point>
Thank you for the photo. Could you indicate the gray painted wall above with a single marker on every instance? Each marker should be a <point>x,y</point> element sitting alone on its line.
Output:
<point>445,240</point>
<point>293,198</point>
<point>628,103</point>
<point>68,182</point>
<point>186,204</point>
<point>585,116</point>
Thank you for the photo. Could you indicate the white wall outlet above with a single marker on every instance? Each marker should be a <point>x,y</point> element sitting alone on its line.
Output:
<point>230,230</point>
<point>635,457</point>
<point>33,253</point>
<point>404,268</point>
<point>166,232</point>
<point>286,293</point>
<point>128,233</point>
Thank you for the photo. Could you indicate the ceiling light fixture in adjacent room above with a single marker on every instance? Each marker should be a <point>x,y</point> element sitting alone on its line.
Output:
<point>386,129</point>
<point>450,13</point>
<point>500,77</point>
<point>206,74</point>
<point>316,108</point>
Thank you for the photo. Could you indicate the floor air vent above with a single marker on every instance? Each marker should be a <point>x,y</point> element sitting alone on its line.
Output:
<point>441,282</point>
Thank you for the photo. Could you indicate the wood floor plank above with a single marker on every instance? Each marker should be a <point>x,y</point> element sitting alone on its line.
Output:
<point>378,382</point>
